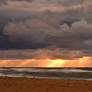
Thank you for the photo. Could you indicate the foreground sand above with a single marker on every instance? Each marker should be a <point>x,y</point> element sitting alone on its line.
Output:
<point>43,85</point>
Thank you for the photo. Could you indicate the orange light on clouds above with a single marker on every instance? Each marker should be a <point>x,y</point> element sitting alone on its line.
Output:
<point>47,62</point>
<point>56,62</point>
<point>80,62</point>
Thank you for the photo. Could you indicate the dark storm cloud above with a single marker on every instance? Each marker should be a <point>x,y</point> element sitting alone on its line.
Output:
<point>39,32</point>
<point>47,33</point>
<point>66,2</point>
<point>67,14</point>
<point>66,34</point>
<point>23,0</point>
<point>59,2</point>
<point>3,2</point>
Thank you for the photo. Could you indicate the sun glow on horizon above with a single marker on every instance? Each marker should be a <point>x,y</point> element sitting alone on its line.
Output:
<point>56,62</point>
<point>47,62</point>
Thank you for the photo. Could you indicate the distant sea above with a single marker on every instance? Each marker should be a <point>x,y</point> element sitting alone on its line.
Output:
<point>50,73</point>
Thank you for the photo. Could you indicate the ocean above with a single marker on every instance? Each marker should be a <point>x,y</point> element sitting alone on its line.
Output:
<point>50,73</point>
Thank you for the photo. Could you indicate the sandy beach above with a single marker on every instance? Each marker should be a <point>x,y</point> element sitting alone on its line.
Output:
<point>10,84</point>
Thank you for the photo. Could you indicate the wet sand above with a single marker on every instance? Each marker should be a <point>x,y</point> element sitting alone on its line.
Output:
<point>10,84</point>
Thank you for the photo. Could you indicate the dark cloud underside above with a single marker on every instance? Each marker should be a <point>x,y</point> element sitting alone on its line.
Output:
<point>64,30</point>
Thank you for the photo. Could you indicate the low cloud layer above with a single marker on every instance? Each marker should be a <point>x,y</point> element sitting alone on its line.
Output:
<point>41,54</point>
<point>48,34</point>
<point>41,5</point>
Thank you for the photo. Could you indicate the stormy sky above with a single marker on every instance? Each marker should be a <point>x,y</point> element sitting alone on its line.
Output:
<point>40,29</point>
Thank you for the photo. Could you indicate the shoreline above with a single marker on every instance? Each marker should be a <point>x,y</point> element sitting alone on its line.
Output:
<point>50,78</point>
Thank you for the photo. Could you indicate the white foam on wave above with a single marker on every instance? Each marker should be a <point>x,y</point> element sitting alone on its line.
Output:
<point>73,70</point>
